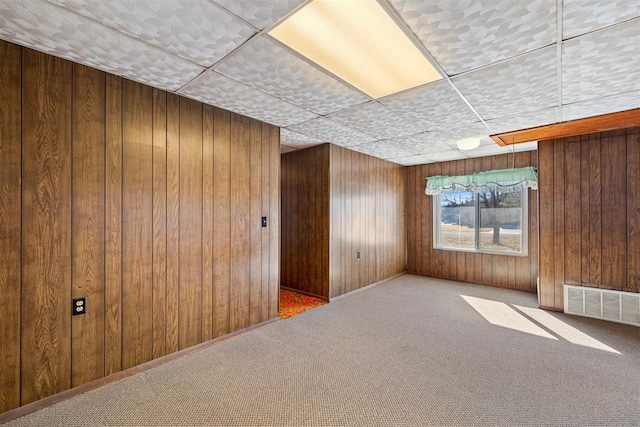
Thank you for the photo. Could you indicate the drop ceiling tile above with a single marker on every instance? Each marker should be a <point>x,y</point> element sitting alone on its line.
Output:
<point>331,131</point>
<point>410,160</point>
<point>425,143</point>
<point>376,120</point>
<point>526,146</point>
<point>525,121</point>
<point>488,150</point>
<point>583,16</point>
<point>463,35</point>
<point>599,106</point>
<point>383,149</point>
<point>265,64</point>
<point>260,13</point>
<point>445,156</point>
<point>213,88</point>
<point>520,85</point>
<point>435,106</point>
<point>56,31</point>
<point>192,29</point>
<point>295,139</point>
<point>603,63</point>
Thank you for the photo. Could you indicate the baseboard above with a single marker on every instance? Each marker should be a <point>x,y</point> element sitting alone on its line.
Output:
<point>67,394</point>
<point>364,288</point>
<point>557,310</point>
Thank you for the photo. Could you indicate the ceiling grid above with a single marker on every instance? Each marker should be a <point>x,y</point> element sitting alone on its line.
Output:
<point>505,66</point>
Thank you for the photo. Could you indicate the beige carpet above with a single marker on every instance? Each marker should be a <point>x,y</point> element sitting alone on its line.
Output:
<point>409,352</point>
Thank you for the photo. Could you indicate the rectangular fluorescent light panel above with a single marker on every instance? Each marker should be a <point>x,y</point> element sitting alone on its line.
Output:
<point>360,43</point>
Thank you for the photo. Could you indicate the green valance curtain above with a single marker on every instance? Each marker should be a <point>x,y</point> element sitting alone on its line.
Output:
<point>503,179</point>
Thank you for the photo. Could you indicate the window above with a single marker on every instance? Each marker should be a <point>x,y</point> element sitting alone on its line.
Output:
<point>493,220</point>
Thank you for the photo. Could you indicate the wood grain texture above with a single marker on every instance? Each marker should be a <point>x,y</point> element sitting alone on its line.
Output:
<point>265,211</point>
<point>255,222</point>
<point>190,247</point>
<point>137,230</point>
<point>273,139</point>
<point>208,203</point>
<point>119,192</point>
<point>10,213</point>
<point>586,226</point>
<point>113,226</point>
<point>159,300</point>
<point>240,223</point>
<point>512,272</point>
<point>305,211</point>
<point>222,218</point>
<point>338,203</point>
<point>173,222</point>
<point>88,216</point>
<point>46,226</point>
<point>633,211</point>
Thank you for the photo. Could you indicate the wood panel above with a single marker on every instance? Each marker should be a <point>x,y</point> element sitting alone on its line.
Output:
<point>338,203</point>
<point>190,246</point>
<point>208,202</point>
<point>137,230</point>
<point>255,223</point>
<point>119,192</point>
<point>46,226</point>
<point>222,218</point>
<point>159,300</point>
<point>512,272</point>
<point>589,224</point>
<point>87,234</point>
<point>305,211</point>
<point>240,223</point>
<point>10,214</point>
<point>113,226</point>
<point>173,223</point>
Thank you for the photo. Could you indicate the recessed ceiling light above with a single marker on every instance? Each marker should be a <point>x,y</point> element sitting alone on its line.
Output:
<point>359,42</point>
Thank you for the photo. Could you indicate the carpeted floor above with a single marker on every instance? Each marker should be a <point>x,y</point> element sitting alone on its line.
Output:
<point>410,352</point>
<point>294,303</point>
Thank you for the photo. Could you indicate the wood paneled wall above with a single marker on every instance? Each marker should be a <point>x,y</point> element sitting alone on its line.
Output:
<point>305,220</point>
<point>589,213</point>
<point>146,203</point>
<point>336,203</point>
<point>367,214</point>
<point>513,272</point>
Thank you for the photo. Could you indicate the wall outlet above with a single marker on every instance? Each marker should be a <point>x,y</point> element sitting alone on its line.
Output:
<point>264,221</point>
<point>79,306</point>
<point>358,254</point>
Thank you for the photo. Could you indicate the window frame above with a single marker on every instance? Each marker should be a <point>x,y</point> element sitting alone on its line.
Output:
<point>524,220</point>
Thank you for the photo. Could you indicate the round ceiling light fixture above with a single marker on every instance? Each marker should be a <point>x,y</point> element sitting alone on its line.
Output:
<point>468,143</point>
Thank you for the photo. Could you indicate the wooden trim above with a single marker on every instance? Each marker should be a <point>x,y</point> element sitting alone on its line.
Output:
<point>544,307</point>
<point>364,288</point>
<point>68,394</point>
<point>605,122</point>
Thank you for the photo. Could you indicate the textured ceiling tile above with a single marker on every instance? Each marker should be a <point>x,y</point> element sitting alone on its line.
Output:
<point>445,156</point>
<point>383,149</point>
<point>603,63</point>
<point>376,120</point>
<point>425,143</point>
<point>526,120</point>
<point>331,131</point>
<point>488,150</point>
<point>292,138</point>
<point>435,106</point>
<point>526,146</point>
<point>58,32</point>
<point>583,16</point>
<point>464,34</point>
<point>192,29</point>
<point>223,92</point>
<point>599,106</point>
<point>411,160</point>
<point>260,13</point>
<point>523,84</point>
<point>265,64</point>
